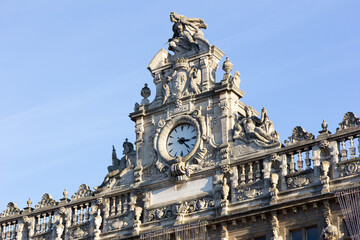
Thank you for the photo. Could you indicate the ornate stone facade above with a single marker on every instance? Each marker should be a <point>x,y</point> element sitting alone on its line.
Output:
<point>204,165</point>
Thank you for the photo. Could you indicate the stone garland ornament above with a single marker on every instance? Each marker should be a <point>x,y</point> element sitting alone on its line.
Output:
<point>298,134</point>
<point>258,130</point>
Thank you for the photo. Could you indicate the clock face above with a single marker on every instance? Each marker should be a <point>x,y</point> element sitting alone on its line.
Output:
<point>181,140</point>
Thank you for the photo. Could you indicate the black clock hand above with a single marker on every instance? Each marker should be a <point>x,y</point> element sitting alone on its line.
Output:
<point>186,145</point>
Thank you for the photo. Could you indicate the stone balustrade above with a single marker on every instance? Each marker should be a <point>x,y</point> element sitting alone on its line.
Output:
<point>303,168</point>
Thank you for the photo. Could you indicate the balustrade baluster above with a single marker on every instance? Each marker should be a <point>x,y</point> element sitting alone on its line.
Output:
<point>125,203</point>
<point>119,206</point>
<point>81,215</point>
<point>358,137</point>
<point>113,206</point>
<point>37,227</point>
<point>352,148</point>
<point>299,162</point>
<point>3,231</point>
<point>87,212</point>
<point>343,151</point>
<point>292,163</point>
<point>8,235</point>
<point>75,216</point>
<point>250,173</point>
<point>13,232</point>
<point>307,159</point>
<point>43,226</point>
<point>257,171</point>
<point>48,225</point>
<point>242,175</point>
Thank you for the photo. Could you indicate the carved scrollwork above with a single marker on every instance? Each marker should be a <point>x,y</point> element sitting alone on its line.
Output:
<point>352,168</point>
<point>79,231</point>
<point>181,208</point>
<point>11,209</point>
<point>349,120</point>
<point>298,134</point>
<point>46,200</point>
<point>299,181</point>
<point>118,223</point>
<point>249,193</point>
<point>84,191</point>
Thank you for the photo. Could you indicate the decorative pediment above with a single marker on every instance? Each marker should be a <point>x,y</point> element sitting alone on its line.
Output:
<point>11,209</point>
<point>349,120</point>
<point>84,191</point>
<point>298,134</point>
<point>159,59</point>
<point>46,201</point>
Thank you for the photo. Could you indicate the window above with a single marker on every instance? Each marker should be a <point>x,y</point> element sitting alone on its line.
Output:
<point>310,233</point>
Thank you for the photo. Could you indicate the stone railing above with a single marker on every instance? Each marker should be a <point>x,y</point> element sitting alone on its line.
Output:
<point>305,167</point>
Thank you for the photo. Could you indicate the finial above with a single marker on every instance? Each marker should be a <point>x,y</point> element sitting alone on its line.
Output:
<point>29,202</point>
<point>324,125</point>
<point>324,130</point>
<point>227,65</point>
<point>126,140</point>
<point>145,93</point>
<point>65,193</point>
<point>114,150</point>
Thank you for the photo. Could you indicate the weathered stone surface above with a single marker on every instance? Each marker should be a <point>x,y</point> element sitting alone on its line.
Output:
<point>204,164</point>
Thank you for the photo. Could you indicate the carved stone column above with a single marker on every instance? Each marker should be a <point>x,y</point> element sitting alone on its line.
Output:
<point>224,232</point>
<point>158,83</point>
<point>325,180</point>
<point>283,171</point>
<point>273,189</point>
<point>97,222</point>
<point>334,153</point>
<point>234,182</point>
<point>20,230</point>
<point>316,161</point>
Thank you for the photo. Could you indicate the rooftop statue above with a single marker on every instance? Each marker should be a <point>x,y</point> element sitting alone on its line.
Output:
<point>186,33</point>
<point>123,166</point>
<point>259,130</point>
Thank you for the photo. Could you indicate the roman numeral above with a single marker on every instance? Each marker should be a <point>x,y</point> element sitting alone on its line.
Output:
<point>169,144</point>
<point>182,127</point>
<point>194,137</point>
<point>182,154</point>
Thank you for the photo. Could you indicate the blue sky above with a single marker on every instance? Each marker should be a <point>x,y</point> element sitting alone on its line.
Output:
<point>71,72</point>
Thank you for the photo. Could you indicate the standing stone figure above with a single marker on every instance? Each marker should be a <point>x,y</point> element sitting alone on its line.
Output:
<point>330,232</point>
<point>276,236</point>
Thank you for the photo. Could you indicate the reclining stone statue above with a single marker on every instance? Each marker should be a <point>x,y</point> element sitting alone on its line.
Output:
<point>252,129</point>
